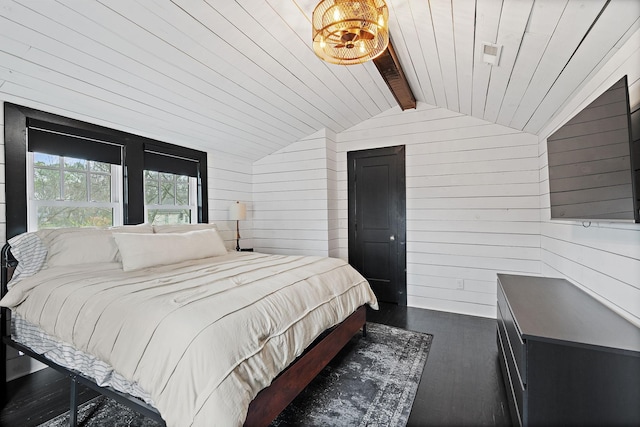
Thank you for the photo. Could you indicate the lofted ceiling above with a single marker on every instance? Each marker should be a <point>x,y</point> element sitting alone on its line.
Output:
<point>240,77</point>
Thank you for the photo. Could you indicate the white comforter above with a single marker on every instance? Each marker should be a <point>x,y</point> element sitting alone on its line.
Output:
<point>202,337</point>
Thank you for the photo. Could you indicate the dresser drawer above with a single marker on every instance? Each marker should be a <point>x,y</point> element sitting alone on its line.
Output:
<point>512,384</point>
<point>512,334</point>
<point>580,360</point>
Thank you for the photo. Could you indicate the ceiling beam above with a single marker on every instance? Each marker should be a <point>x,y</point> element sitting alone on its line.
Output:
<point>390,69</point>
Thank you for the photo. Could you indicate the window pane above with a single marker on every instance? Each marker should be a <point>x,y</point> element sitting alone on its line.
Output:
<point>167,189</point>
<point>182,192</point>
<point>150,175</point>
<point>100,188</point>
<point>52,216</point>
<point>151,187</point>
<point>46,184</point>
<point>41,159</point>
<point>99,167</point>
<point>166,176</point>
<point>75,186</point>
<point>71,163</point>
<point>161,216</point>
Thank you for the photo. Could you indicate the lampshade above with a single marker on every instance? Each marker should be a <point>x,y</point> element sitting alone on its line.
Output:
<point>350,31</point>
<point>237,211</point>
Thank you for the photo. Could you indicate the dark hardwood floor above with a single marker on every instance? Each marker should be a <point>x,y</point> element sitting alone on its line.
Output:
<point>39,397</point>
<point>461,383</point>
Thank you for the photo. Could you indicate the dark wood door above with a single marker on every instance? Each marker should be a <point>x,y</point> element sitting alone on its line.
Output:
<point>377,220</point>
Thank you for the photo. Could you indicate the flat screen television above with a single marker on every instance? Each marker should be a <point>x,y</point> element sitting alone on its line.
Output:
<point>591,163</point>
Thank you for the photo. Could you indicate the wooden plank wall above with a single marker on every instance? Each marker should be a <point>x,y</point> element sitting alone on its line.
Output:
<point>290,198</point>
<point>335,223</point>
<point>472,203</point>
<point>230,180</point>
<point>602,258</point>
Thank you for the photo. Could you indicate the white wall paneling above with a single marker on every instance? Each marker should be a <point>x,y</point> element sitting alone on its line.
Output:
<point>240,78</point>
<point>514,21</point>
<point>442,21</point>
<point>618,21</point>
<point>461,230</point>
<point>333,206</point>
<point>472,204</point>
<point>564,41</point>
<point>230,180</point>
<point>292,189</point>
<point>413,37</point>
<point>487,25</point>
<point>463,17</point>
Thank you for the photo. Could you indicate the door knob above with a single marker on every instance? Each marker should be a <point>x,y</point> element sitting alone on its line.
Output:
<point>392,237</point>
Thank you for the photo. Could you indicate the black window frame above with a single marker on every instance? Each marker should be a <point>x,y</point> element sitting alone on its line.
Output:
<point>16,122</point>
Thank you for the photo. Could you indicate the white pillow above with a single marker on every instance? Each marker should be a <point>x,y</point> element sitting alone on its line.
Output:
<point>71,246</point>
<point>83,245</point>
<point>148,250</point>
<point>182,228</point>
<point>139,228</point>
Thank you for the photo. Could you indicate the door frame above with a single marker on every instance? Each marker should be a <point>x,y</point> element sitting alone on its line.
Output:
<point>401,253</point>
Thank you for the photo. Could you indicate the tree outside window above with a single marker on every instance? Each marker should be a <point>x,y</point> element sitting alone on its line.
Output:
<point>169,198</point>
<point>69,192</point>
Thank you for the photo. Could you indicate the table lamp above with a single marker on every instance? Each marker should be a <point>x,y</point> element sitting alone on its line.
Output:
<point>237,212</point>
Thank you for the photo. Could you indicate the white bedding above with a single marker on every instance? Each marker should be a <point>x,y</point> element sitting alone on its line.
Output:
<point>70,357</point>
<point>201,337</point>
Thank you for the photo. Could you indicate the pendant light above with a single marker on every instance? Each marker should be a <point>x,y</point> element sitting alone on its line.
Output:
<point>350,32</point>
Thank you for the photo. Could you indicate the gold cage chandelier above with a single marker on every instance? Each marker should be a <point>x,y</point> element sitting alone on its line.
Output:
<point>350,32</point>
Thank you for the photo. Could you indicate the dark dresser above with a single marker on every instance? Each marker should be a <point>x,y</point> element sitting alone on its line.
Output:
<point>566,358</point>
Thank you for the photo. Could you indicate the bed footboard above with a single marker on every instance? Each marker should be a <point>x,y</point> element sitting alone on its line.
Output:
<point>274,399</point>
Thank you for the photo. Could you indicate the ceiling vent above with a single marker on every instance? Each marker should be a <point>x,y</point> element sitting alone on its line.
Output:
<point>491,53</point>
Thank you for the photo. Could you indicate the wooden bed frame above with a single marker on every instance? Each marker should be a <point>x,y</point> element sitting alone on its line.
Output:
<point>263,409</point>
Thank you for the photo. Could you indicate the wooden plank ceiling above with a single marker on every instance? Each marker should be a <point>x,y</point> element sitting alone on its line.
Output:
<point>239,77</point>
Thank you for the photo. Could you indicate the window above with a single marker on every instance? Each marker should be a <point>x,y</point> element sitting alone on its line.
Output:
<point>73,180</point>
<point>169,198</point>
<point>69,192</point>
<point>170,187</point>
<point>59,167</point>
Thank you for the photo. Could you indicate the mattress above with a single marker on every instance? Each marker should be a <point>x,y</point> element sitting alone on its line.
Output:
<point>199,338</point>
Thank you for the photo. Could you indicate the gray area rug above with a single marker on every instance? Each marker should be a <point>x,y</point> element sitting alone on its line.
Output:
<point>371,382</point>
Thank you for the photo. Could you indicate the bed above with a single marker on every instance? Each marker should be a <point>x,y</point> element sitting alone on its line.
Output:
<point>167,320</point>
